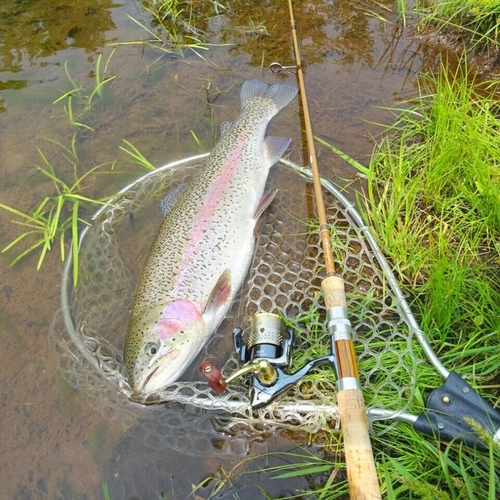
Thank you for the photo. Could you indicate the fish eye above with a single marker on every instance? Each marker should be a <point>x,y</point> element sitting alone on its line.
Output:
<point>151,349</point>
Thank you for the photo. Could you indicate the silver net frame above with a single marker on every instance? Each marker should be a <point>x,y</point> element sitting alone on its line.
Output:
<point>285,274</point>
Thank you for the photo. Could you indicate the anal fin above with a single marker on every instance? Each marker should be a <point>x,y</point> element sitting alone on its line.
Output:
<point>225,127</point>
<point>170,198</point>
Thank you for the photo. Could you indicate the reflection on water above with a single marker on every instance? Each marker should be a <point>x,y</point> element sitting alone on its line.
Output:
<point>54,444</point>
<point>330,30</point>
<point>32,30</point>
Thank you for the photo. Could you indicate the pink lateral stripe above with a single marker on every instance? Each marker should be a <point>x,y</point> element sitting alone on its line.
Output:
<point>215,195</point>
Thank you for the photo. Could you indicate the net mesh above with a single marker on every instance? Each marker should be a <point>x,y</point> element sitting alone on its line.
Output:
<point>88,333</point>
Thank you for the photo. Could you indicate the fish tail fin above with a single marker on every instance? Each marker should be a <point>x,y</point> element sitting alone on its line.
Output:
<point>277,96</point>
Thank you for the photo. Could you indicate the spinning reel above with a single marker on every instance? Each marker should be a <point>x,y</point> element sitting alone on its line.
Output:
<point>265,356</point>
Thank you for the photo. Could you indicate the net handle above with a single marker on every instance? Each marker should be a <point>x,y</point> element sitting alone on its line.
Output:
<point>360,463</point>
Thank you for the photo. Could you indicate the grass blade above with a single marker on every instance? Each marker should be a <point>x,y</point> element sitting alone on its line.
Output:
<point>30,249</point>
<point>139,158</point>
<point>17,240</point>
<point>358,166</point>
<point>21,214</point>
<point>74,242</point>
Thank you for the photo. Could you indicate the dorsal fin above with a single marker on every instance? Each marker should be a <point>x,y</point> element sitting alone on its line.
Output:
<point>170,198</point>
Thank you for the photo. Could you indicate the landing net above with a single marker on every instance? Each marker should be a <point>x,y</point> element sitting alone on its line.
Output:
<point>88,332</point>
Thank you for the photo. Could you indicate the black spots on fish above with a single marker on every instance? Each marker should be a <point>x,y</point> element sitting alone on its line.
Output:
<point>259,102</point>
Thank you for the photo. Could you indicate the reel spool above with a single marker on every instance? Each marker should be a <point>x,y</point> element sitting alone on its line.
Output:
<point>268,339</point>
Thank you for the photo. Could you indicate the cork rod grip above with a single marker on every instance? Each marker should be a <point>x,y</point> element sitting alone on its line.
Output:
<point>360,464</point>
<point>333,291</point>
<point>361,472</point>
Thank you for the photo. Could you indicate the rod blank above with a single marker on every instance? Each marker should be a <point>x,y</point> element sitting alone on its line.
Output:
<point>361,471</point>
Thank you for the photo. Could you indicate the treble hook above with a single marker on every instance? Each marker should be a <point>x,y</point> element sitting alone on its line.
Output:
<point>276,67</point>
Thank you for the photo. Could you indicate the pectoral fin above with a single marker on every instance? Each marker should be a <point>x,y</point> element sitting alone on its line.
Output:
<point>220,294</point>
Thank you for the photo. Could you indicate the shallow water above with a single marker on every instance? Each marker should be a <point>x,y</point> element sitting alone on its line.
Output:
<point>54,443</point>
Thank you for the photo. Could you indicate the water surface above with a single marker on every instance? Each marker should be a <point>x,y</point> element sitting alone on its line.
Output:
<point>54,443</point>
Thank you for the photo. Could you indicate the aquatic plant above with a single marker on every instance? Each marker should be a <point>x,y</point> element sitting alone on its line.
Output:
<point>137,157</point>
<point>177,25</point>
<point>60,213</point>
<point>56,214</point>
<point>183,13</point>
<point>84,98</point>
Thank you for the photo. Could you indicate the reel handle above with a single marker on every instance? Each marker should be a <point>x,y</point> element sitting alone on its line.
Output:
<point>213,376</point>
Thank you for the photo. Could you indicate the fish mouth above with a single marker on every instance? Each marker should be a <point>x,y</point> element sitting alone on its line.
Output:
<point>148,378</point>
<point>141,390</point>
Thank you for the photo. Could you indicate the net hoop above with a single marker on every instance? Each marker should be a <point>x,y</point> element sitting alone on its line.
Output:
<point>226,423</point>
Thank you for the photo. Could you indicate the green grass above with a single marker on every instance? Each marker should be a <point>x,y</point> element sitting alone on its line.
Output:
<point>478,20</point>
<point>59,215</point>
<point>433,200</point>
<point>445,164</point>
<point>474,23</point>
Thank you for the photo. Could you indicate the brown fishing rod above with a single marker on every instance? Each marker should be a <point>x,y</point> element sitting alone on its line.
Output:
<point>360,464</point>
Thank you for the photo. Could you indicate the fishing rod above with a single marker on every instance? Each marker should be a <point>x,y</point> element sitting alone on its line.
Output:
<point>360,464</point>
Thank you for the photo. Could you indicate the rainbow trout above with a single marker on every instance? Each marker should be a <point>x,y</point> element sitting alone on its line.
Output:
<point>204,246</point>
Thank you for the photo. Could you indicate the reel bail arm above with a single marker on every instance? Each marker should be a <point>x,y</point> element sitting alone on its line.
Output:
<point>265,355</point>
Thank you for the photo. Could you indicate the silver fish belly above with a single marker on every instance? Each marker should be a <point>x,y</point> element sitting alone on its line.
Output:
<point>204,246</point>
